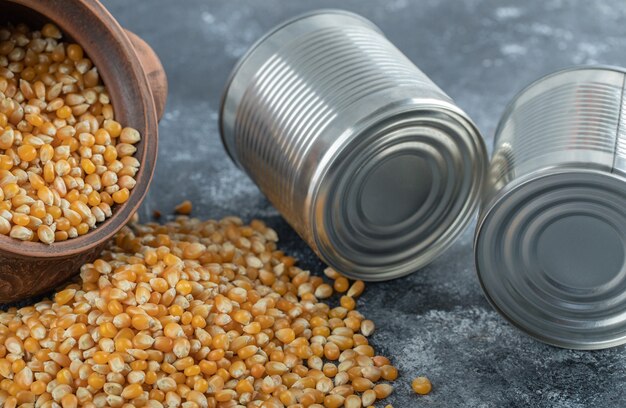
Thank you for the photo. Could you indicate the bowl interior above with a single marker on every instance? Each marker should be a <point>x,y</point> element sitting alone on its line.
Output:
<point>89,24</point>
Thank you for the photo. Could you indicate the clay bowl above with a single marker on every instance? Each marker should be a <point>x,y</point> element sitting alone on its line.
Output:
<point>138,87</point>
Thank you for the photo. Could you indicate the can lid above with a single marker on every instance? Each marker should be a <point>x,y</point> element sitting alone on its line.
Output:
<point>398,192</point>
<point>551,257</point>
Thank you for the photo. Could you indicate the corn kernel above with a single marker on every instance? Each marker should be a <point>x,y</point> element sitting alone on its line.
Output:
<point>421,385</point>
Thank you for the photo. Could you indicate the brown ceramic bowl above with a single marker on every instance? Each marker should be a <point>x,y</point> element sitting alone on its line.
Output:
<point>138,88</point>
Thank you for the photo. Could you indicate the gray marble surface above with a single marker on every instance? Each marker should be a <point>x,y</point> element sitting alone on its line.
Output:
<point>481,52</point>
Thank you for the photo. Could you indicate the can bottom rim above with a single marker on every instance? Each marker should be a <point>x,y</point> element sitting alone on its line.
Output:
<point>399,193</point>
<point>551,257</point>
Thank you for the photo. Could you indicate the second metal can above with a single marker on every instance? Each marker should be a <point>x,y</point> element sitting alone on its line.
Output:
<point>551,237</point>
<point>368,160</point>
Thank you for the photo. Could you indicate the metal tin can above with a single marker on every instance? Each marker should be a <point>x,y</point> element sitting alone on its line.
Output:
<point>368,160</point>
<point>551,239</point>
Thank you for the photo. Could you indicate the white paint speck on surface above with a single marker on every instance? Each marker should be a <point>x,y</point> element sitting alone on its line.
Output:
<point>171,115</point>
<point>589,53</point>
<point>236,42</point>
<point>207,17</point>
<point>507,13</point>
<point>397,5</point>
<point>513,49</point>
<point>549,31</point>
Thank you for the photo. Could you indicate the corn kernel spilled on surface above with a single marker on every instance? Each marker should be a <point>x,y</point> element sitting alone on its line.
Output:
<point>64,159</point>
<point>421,385</point>
<point>192,314</point>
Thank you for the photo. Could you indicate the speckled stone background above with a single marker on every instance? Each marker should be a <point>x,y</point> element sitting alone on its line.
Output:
<point>481,52</point>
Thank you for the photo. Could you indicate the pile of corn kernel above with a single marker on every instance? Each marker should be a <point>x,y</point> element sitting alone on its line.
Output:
<point>64,160</point>
<point>193,314</point>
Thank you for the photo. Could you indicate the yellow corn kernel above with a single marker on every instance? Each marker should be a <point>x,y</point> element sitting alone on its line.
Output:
<point>63,113</point>
<point>107,330</point>
<point>341,284</point>
<point>184,208</point>
<point>88,166</point>
<point>45,234</point>
<point>27,153</point>
<point>38,387</point>
<point>74,52</point>
<point>132,391</point>
<point>64,296</point>
<point>64,376</point>
<point>113,127</point>
<point>51,31</point>
<point>183,287</point>
<point>121,196</point>
<point>421,385</point>
<point>21,219</point>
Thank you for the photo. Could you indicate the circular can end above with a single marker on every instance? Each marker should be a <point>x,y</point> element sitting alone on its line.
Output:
<point>395,195</point>
<point>551,257</point>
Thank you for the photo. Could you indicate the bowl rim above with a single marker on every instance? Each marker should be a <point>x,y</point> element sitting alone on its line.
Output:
<point>137,85</point>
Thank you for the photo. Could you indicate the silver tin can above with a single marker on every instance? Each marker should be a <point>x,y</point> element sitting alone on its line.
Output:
<point>368,160</point>
<point>551,239</point>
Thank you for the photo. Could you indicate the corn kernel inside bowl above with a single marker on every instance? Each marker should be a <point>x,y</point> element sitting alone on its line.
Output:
<point>64,159</point>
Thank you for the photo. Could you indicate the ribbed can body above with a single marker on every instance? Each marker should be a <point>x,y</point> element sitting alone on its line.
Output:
<point>328,117</point>
<point>551,238</point>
